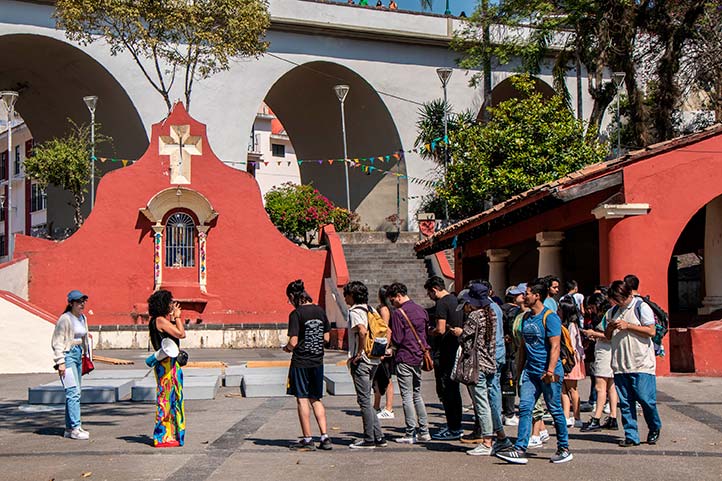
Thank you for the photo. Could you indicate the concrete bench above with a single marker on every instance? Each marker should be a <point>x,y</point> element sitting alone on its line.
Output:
<point>118,374</point>
<point>234,376</point>
<point>194,387</point>
<point>339,383</point>
<point>93,391</point>
<point>262,382</point>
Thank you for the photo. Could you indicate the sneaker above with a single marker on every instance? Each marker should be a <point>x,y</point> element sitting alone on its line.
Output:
<point>611,424</point>
<point>325,444</point>
<point>441,432</point>
<point>592,426</point>
<point>381,443</point>
<point>480,450</point>
<point>501,445</point>
<point>361,444</point>
<point>652,437</point>
<point>303,445</point>
<point>423,438</point>
<point>447,435</point>
<point>385,414</point>
<point>76,433</point>
<point>570,421</point>
<point>534,442</point>
<point>406,440</point>
<point>606,409</point>
<point>578,423</point>
<point>544,435</point>
<point>511,421</point>
<point>512,455</point>
<point>473,437</point>
<point>561,456</point>
<point>626,443</point>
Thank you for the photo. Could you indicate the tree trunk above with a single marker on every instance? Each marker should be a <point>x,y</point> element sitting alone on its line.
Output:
<point>78,199</point>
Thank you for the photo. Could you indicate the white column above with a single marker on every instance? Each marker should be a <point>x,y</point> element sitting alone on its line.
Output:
<point>550,253</point>
<point>497,269</point>
<point>712,257</point>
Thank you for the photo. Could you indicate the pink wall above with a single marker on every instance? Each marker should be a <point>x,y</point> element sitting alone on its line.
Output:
<point>111,257</point>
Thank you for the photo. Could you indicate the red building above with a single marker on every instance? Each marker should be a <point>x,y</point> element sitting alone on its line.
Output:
<point>178,219</point>
<point>656,213</point>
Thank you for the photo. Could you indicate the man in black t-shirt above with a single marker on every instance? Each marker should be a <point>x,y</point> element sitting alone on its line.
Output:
<point>444,346</point>
<point>308,330</point>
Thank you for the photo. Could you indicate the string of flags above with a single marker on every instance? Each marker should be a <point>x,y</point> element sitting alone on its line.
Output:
<point>371,164</point>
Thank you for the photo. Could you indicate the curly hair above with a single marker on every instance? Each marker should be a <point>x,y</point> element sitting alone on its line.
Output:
<point>159,303</point>
<point>358,292</point>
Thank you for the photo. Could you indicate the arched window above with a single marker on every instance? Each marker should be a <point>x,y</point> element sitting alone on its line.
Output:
<point>180,241</point>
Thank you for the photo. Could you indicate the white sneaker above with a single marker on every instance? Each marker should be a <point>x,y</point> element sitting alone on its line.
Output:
<point>606,408</point>
<point>385,414</point>
<point>544,435</point>
<point>570,421</point>
<point>534,442</point>
<point>480,450</point>
<point>76,433</point>
<point>512,421</point>
<point>406,440</point>
<point>423,438</point>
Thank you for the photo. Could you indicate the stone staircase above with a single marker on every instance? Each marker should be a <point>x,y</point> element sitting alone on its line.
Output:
<point>374,260</point>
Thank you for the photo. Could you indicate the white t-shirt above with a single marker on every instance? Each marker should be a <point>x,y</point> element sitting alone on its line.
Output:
<point>357,316</point>
<point>579,299</point>
<point>632,353</point>
<point>79,329</point>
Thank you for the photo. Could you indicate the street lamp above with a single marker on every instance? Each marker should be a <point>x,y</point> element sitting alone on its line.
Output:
<point>444,74</point>
<point>341,92</point>
<point>618,79</point>
<point>90,102</point>
<point>448,10</point>
<point>9,97</point>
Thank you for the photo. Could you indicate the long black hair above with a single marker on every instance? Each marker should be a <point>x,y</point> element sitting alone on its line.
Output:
<point>383,298</point>
<point>569,311</point>
<point>159,303</point>
<point>296,292</point>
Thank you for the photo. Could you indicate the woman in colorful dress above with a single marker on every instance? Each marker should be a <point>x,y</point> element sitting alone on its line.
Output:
<point>165,322</point>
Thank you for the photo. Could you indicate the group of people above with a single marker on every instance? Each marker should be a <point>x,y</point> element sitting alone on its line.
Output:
<point>379,4</point>
<point>528,345</point>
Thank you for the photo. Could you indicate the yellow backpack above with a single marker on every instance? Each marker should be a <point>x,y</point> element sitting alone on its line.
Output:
<point>376,342</point>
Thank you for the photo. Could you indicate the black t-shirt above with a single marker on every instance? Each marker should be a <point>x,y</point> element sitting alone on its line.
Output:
<point>309,323</point>
<point>446,309</point>
<point>156,336</point>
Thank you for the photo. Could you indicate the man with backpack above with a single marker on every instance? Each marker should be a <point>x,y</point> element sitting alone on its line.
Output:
<point>366,329</point>
<point>661,318</point>
<point>542,374</point>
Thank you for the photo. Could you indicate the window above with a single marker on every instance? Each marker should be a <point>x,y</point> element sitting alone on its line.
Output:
<point>17,160</point>
<point>37,198</point>
<point>180,241</point>
<point>4,165</point>
<point>3,252</point>
<point>278,150</point>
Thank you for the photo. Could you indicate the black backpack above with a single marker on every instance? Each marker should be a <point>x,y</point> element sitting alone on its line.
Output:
<point>661,318</point>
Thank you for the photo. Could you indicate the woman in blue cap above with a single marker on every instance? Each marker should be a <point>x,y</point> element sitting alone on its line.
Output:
<point>70,343</point>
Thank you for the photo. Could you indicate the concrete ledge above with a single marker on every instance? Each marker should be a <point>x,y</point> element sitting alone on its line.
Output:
<point>94,391</point>
<point>200,387</point>
<point>197,336</point>
<point>339,383</point>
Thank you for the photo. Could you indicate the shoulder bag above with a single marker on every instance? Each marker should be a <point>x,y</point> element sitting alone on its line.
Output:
<point>427,363</point>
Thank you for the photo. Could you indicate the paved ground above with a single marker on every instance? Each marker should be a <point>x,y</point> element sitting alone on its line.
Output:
<point>234,438</point>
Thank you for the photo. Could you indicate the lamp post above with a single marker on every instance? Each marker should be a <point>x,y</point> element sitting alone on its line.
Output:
<point>618,79</point>
<point>448,10</point>
<point>341,92</point>
<point>9,98</point>
<point>444,74</point>
<point>90,102</point>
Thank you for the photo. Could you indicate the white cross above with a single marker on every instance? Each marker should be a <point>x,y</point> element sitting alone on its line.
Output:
<point>181,146</point>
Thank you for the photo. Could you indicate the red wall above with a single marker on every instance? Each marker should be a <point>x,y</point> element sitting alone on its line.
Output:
<point>111,257</point>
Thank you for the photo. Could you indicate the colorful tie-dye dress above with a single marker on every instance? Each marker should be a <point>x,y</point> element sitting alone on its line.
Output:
<point>170,421</point>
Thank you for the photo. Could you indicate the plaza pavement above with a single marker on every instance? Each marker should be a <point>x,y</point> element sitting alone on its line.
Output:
<point>235,438</point>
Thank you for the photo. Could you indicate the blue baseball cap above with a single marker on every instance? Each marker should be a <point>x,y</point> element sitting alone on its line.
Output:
<point>76,295</point>
<point>516,290</point>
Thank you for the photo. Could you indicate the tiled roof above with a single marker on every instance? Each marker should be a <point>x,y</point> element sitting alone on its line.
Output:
<point>581,176</point>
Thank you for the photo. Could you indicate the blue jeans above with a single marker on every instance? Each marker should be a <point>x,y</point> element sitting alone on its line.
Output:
<point>72,394</point>
<point>531,388</point>
<point>642,388</point>
<point>480,393</point>
<point>495,399</point>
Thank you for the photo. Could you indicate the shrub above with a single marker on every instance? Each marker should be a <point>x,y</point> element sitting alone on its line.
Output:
<point>344,220</point>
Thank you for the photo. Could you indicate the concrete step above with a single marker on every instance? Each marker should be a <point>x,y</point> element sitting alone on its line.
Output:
<point>194,387</point>
<point>93,391</point>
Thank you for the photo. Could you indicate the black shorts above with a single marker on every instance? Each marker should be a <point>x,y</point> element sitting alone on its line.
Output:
<point>305,382</point>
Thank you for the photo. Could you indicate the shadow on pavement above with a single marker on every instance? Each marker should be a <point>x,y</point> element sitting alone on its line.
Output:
<point>139,439</point>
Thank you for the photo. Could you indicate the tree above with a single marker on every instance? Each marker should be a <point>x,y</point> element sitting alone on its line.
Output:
<point>191,38</point>
<point>298,211</point>
<point>65,163</point>
<point>528,141</point>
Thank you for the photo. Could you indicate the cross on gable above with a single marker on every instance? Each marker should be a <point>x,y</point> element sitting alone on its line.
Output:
<point>180,146</point>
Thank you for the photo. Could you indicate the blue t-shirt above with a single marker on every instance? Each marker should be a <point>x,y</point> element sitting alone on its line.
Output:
<point>537,344</point>
<point>551,304</point>
<point>500,348</point>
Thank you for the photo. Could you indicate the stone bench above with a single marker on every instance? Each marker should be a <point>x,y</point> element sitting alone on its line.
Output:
<point>93,391</point>
<point>194,387</point>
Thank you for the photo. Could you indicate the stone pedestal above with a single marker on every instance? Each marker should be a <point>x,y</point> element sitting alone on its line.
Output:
<point>550,253</point>
<point>712,258</point>
<point>497,269</point>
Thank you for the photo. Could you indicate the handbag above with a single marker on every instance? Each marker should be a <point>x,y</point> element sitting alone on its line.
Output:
<point>86,365</point>
<point>182,358</point>
<point>427,363</point>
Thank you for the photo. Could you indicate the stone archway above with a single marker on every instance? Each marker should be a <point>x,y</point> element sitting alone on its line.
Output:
<point>304,101</point>
<point>504,90</point>
<point>52,78</point>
